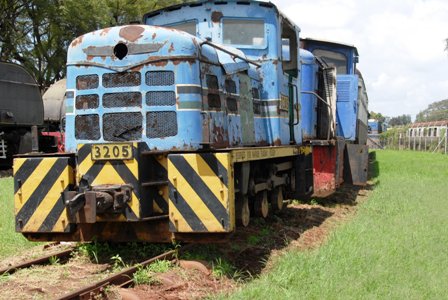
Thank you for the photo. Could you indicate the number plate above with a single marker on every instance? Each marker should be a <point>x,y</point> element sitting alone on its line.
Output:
<point>112,151</point>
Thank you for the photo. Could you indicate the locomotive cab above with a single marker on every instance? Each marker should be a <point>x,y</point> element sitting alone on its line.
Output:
<point>351,104</point>
<point>269,40</point>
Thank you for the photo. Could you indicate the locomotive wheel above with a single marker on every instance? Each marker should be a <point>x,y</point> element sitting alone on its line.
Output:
<point>276,199</point>
<point>243,211</point>
<point>261,204</point>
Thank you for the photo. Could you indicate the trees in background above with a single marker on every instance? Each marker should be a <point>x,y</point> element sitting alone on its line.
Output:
<point>400,120</point>
<point>436,111</point>
<point>377,116</point>
<point>37,33</point>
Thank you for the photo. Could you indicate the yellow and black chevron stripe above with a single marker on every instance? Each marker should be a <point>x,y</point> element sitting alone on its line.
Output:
<point>201,195</point>
<point>39,184</point>
<point>93,172</point>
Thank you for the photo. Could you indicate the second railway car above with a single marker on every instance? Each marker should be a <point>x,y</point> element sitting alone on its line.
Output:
<point>187,127</point>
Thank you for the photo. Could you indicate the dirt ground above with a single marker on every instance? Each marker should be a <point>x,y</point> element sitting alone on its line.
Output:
<point>5,173</point>
<point>250,252</point>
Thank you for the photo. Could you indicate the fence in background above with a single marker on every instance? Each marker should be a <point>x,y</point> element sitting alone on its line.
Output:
<point>400,141</point>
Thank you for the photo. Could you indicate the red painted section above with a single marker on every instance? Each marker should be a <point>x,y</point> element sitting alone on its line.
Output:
<point>59,139</point>
<point>324,170</point>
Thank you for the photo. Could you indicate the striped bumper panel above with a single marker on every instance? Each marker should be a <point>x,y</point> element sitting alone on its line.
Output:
<point>39,184</point>
<point>112,172</point>
<point>200,192</point>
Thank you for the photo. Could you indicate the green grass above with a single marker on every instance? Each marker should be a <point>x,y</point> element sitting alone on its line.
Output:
<point>10,241</point>
<point>396,247</point>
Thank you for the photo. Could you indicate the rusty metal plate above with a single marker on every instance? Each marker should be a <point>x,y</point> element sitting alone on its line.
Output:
<point>357,163</point>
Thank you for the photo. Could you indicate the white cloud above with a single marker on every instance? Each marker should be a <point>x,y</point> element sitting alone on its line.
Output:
<point>401,45</point>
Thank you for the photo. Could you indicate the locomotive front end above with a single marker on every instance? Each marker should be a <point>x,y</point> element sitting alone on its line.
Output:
<point>133,96</point>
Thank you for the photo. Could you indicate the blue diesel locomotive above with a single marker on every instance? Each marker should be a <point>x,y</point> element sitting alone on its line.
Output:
<point>187,126</point>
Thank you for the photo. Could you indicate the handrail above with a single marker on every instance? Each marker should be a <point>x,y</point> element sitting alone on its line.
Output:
<point>327,104</point>
<point>231,53</point>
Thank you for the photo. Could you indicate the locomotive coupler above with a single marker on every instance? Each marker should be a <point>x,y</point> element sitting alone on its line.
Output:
<point>98,200</point>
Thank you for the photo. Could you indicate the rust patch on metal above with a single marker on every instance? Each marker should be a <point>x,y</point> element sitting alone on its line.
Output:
<point>154,35</point>
<point>262,143</point>
<point>277,142</point>
<point>77,41</point>
<point>178,61</point>
<point>218,137</point>
<point>216,16</point>
<point>87,82</point>
<point>121,79</point>
<point>171,49</point>
<point>105,31</point>
<point>123,99</point>
<point>160,63</point>
<point>275,62</point>
<point>137,68</point>
<point>132,32</point>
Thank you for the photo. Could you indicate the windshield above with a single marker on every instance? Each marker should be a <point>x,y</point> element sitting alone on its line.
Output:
<point>243,32</point>
<point>188,26</point>
<point>334,59</point>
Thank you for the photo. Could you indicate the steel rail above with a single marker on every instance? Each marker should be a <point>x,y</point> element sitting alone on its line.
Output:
<point>38,261</point>
<point>121,279</point>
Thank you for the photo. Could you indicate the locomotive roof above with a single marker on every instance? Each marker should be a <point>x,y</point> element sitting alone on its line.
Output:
<point>326,42</point>
<point>220,2</point>
<point>14,73</point>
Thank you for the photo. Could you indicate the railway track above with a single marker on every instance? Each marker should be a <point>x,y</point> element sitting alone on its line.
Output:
<point>61,255</point>
<point>123,278</point>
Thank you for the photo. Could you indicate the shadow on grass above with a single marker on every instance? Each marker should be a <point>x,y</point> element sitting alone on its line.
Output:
<point>249,248</point>
<point>373,171</point>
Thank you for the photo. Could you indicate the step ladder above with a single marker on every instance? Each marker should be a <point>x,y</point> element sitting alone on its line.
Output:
<point>3,147</point>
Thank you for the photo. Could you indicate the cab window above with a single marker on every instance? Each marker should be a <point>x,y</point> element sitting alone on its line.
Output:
<point>334,59</point>
<point>242,32</point>
<point>188,26</point>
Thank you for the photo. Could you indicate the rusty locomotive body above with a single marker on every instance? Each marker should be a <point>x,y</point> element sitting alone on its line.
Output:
<point>186,126</point>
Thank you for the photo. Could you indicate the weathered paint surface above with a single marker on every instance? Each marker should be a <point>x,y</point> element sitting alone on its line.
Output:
<point>357,157</point>
<point>155,83</point>
<point>271,126</point>
<point>324,169</point>
<point>201,192</point>
<point>39,184</point>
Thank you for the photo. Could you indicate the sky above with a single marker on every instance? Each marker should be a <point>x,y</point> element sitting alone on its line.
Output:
<point>401,45</point>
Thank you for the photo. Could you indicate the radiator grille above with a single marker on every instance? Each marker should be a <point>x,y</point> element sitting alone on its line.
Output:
<point>122,126</point>
<point>121,79</point>
<point>232,105</point>
<point>212,82</point>
<point>131,99</point>
<point>214,101</point>
<point>230,86</point>
<point>161,124</point>
<point>86,101</point>
<point>343,90</point>
<point>159,78</point>
<point>160,98</point>
<point>86,82</point>
<point>87,127</point>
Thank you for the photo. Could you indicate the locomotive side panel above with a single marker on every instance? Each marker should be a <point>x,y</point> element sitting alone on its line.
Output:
<point>19,90</point>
